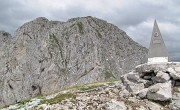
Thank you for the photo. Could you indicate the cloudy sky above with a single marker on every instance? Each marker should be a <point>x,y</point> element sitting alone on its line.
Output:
<point>135,17</point>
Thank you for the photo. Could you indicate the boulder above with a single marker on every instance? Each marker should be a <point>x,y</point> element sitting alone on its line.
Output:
<point>132,87</point>
<point>142,93</point>
<point>161,77</point>
<point>148,83</point>
<point>124,79</point>
<point>147,68</point>
<point>115,105</point>
<point>133,77</point>
<point>147,77</point>
<point>132,82</point>
<point>177,69</point>
<point>160,92</point>
<point>173,73</point>
<point>124,93</point>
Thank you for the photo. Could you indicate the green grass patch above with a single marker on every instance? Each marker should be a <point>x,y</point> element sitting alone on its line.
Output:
<point>80,25</point>
<point>107,92</point>
<point>163,103</point>
<point>66,93</point>
<point>58,98</point>
<point>5,34</point>
<point>51,55</point>
<point>86,87</point>
<point>108,75</point>
<point>73,101</point>
<point>24,101</point>
<point>57,44</point>
<point>54,38</point>
<point>99,34</point>
<point>110,83</point>
<point>70,107</point>
<point>89,87</point>
<point>72,25</point>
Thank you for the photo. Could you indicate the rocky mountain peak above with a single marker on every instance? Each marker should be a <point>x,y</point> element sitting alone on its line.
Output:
<point>44,56</point>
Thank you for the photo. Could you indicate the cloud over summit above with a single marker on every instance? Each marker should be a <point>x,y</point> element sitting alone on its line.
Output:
<point>136,18</point>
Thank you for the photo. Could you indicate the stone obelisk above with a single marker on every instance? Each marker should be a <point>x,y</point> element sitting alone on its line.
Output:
<point>157,49</point>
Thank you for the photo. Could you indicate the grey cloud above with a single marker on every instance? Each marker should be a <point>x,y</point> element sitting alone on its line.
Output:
<point>137,13</point>
<point>14,14</point>
<point>71,12</point>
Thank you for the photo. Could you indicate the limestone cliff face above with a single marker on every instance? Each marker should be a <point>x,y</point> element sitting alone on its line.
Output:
<point>44,56</point>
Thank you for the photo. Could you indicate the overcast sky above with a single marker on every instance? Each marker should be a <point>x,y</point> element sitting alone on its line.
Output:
<point>135,17</point>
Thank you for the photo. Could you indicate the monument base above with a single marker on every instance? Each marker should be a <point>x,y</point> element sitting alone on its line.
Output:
<point>157,59</point>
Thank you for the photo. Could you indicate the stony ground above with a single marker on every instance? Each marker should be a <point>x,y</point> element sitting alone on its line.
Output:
<point>97,96</point>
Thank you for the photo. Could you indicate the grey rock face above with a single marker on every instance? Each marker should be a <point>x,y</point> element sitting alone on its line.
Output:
<point>5,42</point>
<point>160,91</point>
<point>44,56</point>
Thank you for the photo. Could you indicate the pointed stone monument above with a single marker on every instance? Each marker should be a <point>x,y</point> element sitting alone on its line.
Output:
<point>157,49</point>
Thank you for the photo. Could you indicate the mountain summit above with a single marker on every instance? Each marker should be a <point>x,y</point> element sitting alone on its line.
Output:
<point>44,56</point>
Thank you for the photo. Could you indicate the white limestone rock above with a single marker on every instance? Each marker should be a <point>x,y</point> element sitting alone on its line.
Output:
<point>160,92</point>
<point>115,105</point>
<point>133,87</point>
<point>142,93</point>
<point>124,93</point>
<point>173,73</point>
<point>177,69</point>
<point>151,67</point>
<point>134,77</point>
<point>161,77</point>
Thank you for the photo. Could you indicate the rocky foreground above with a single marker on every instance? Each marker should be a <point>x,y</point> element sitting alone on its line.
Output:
<point>97,96</point>
<point>148,87</point>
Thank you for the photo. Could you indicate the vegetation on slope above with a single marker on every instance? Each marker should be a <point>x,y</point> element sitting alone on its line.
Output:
<point>67,93</point>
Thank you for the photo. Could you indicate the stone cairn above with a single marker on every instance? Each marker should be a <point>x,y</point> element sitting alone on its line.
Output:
<point>154,81</point>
